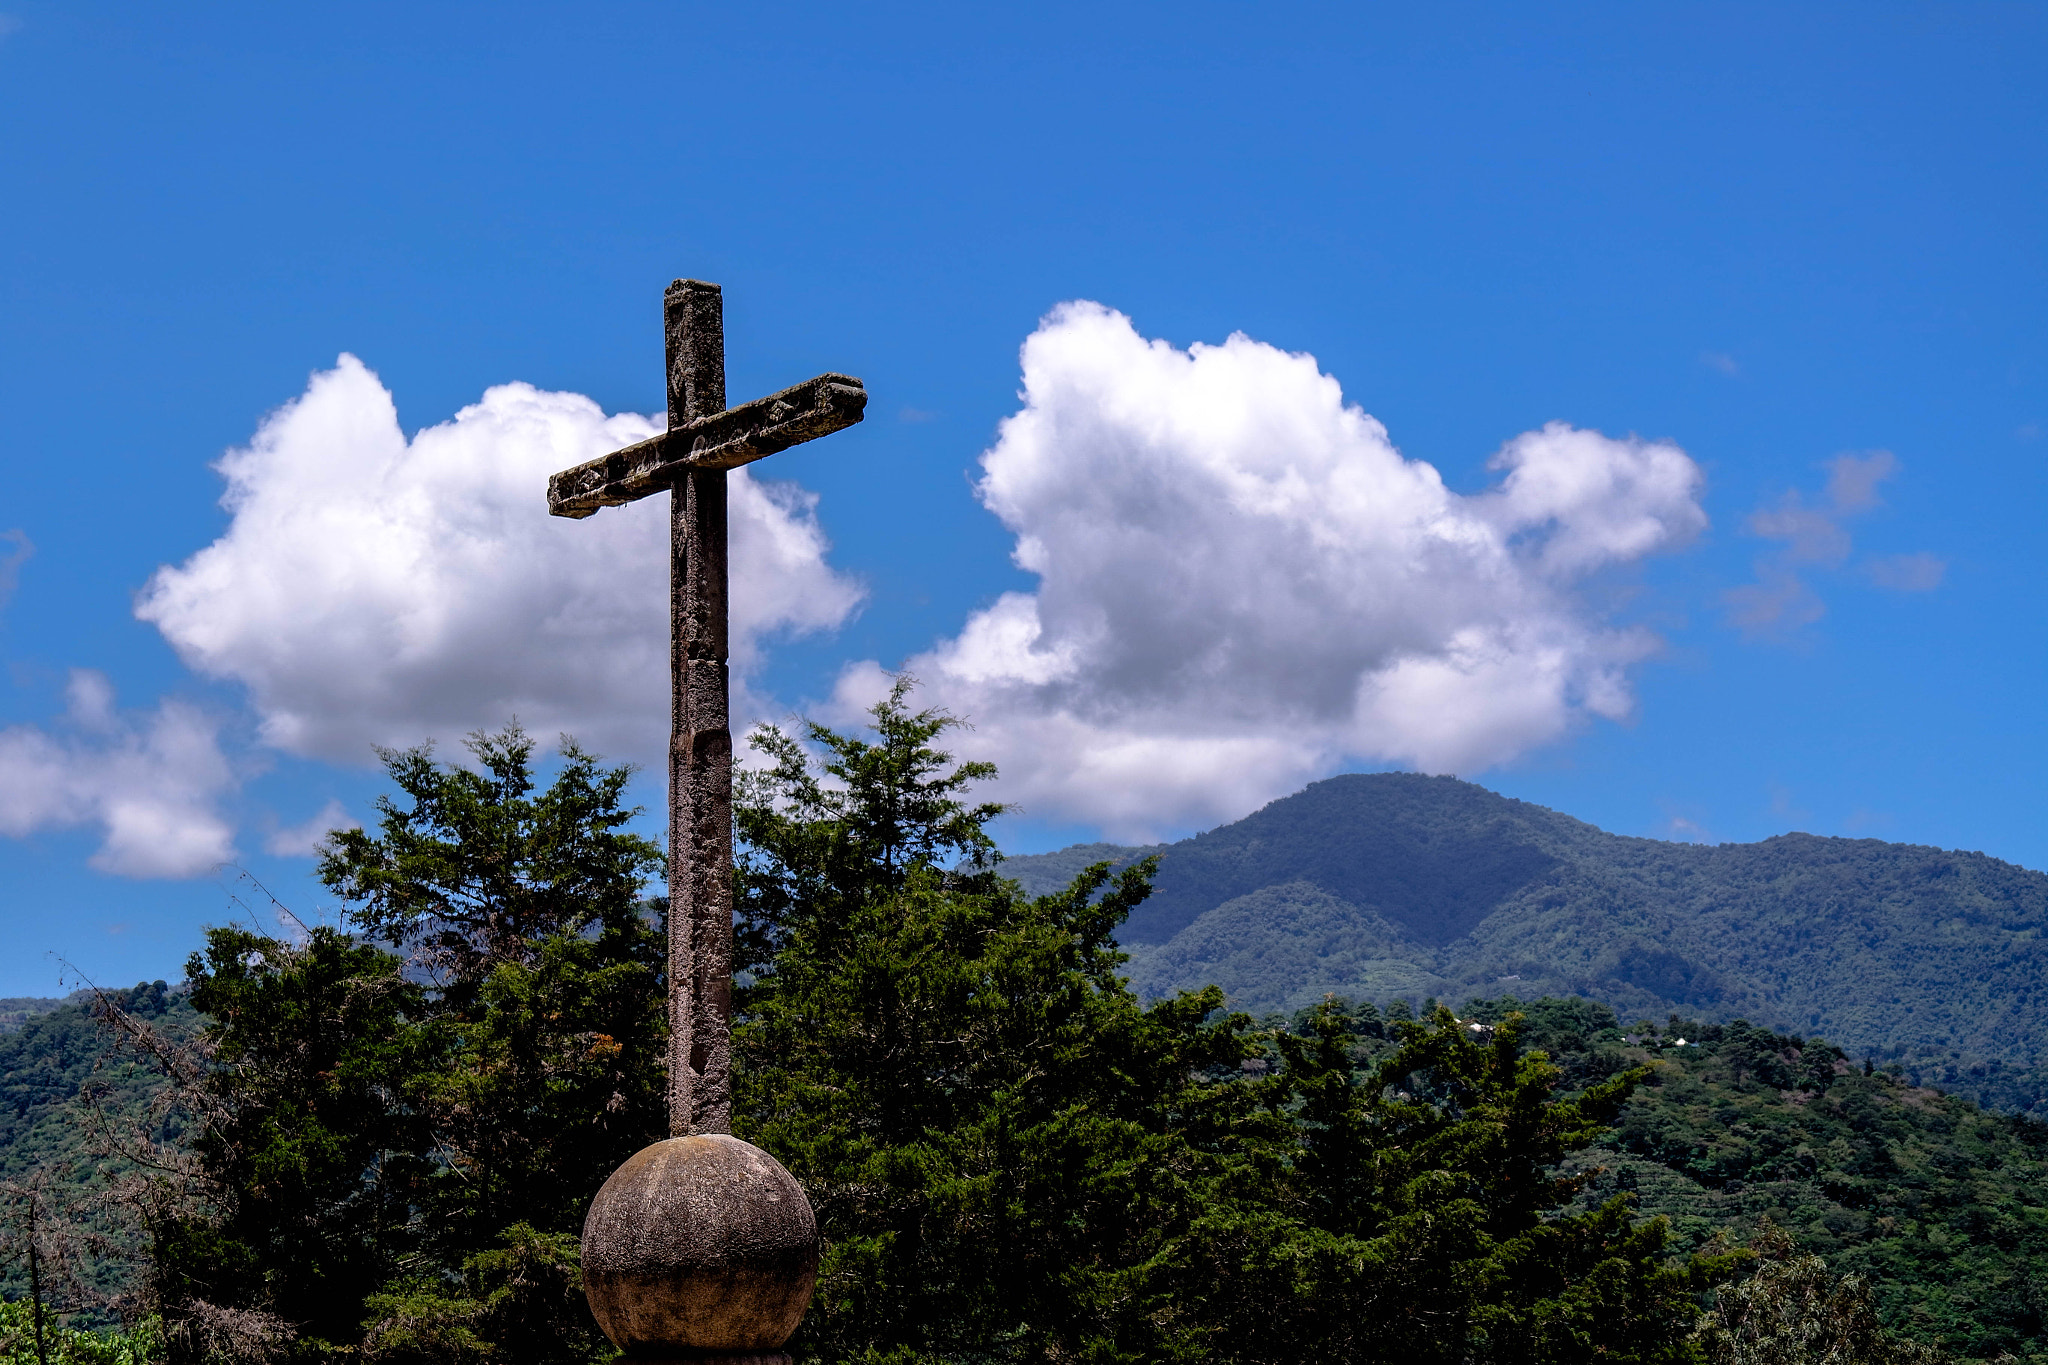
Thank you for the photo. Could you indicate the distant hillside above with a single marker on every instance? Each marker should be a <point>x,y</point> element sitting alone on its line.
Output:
<point>45,1131</point>
<point>16,1010</point>
<point>1395,886</point>
<point>1937,1202</point>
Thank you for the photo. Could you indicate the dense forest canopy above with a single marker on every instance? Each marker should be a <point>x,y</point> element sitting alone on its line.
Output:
<point>1940,1206</point>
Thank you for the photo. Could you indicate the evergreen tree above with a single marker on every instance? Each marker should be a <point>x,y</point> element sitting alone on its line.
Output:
<point>1013,1158</point>
<point>399,1129</point>
<point>546,967</point>
<point>309,1140</point>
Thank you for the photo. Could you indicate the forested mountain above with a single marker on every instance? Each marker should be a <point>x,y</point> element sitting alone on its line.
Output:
<point>51,1134</point>
<point>48,1058</point>
<point>1938,1204</point>
<point>1157,1136</point>
<point>16,1010</point>
<point>1396,886</point>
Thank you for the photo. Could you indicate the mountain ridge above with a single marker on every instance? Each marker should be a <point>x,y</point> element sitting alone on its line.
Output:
<point>1396,886</point>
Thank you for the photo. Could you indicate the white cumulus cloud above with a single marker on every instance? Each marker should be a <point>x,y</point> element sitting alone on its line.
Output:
<point>1243,584</point>
<point>376,589</point>
<point>151,781</point>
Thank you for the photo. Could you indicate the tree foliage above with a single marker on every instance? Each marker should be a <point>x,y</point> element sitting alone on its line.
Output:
<point>1792,1311</point>
<point>1012,1158</point>
<point>397,1128</point>
<point>478,870</point>
<point>61,1344</point>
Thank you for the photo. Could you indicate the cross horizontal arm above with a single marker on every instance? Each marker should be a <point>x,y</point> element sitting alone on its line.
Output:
<point>724,440</point>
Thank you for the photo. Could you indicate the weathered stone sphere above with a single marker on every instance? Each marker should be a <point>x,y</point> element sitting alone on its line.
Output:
<point>700,1246</point>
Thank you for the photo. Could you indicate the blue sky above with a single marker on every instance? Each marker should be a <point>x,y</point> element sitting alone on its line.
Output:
<point>1778,270</point>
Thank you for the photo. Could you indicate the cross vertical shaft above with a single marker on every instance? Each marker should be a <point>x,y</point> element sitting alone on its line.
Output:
<point>700,937</point>
<point>704,439</point>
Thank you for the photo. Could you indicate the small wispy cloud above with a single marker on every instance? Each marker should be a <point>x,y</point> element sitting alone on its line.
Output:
<point>915,415</point>
<point>304,839</point>
<point>1722,362</point>
<point>15,548</point>
<point>1684,827</point>
<point>1782,805</point>
<point>1812,533</point>
<point>2028,431</point>
<point>1853,479</point>
<point>1920,572</point>
<point>1778,602</point>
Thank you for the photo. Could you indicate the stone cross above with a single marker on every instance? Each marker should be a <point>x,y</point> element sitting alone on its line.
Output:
<point>704,439</point>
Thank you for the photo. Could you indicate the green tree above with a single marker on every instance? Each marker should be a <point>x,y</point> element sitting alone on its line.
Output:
<point>478,871</point>
<point>546,963</point>
<point>1792,1311</point>
<point>1013,1158</point>
<point>402,1126</point>
<point>310,1144</point>
<point>819,841</point>
<point>25,1341</point>
<point>1426,1173</point>
<point>955,1071</point>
